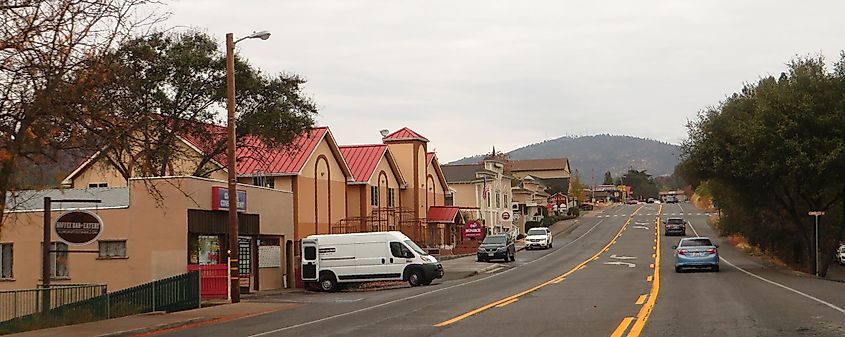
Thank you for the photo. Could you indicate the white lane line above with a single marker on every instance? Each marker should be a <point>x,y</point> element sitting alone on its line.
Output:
<point>421,294</point>
<point>821,301</point>
<point>495,270</point>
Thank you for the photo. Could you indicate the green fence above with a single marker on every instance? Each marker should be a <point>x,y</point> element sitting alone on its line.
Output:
<point>175,293</point>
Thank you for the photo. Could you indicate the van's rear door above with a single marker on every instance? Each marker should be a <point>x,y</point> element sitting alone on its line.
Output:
<point>310,260</point>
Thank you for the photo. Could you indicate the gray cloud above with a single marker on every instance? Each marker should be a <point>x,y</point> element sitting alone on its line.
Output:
<point>472,74</point>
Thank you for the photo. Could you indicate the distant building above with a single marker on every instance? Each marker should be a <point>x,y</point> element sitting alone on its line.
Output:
<point>554,173</point>
<point>484,186</point>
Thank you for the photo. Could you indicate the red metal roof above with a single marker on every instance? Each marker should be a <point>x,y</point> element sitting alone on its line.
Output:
<point>363,159</point>
<point>255,158</point>
<point>442,214</point>
<point>404,134</point>
<point>428,157</point>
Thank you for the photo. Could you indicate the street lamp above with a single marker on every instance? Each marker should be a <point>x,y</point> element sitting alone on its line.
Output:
<point>234,279</point>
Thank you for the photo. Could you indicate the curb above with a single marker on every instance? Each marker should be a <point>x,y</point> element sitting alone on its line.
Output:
<point>138,331</point>
<point>483,270</point>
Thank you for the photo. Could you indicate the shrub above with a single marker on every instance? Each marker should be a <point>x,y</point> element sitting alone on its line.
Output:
<point>574,211</point>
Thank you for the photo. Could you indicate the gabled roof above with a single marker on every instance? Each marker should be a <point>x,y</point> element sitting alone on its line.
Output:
<point>404,134</point>
<point>461,173</point>
<point>438,171</point>
<point>444,214</point>
<point>363,160</point>
<point>539,164</point>
<point>429,157</point>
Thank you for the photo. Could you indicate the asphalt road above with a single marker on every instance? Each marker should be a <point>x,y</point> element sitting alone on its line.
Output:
<point>610,276</point>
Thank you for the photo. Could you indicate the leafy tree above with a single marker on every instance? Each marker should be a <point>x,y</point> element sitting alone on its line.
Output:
<point>608,178</point>
<point>773,152</point>
<point>577,188</point>
<point>642,184</point>
<point>43,45</point>
<point>165,86</point>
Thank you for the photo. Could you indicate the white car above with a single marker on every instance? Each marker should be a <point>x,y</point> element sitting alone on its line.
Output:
<point>840,255</point>
<point>539,237</point>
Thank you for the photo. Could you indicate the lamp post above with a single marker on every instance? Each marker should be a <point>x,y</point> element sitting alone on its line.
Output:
<point>234,278</point>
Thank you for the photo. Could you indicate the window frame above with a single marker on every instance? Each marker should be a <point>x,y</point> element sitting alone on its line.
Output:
<point>100,255</point>
<point>264,181</point>
<point>11,262</point>
<point>54,260</point>
<point>391,195</point>
<point>98,185</point>
<point>374,191</point>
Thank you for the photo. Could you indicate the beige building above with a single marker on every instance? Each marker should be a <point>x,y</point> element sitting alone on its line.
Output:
<point>152,228</point>
<point>529,200</point>
<point>487,187</point>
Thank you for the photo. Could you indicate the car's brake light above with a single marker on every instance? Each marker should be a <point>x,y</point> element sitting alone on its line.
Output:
<point>712,251</point>
<point>682,252</point>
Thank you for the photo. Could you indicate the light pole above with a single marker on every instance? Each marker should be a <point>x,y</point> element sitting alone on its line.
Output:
<point>234,279</point>
<point>817,214</point>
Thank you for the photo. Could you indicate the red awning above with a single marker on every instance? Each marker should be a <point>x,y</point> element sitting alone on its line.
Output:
<point>443,214</point>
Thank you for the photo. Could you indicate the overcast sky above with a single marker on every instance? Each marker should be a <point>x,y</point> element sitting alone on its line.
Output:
<point>469,75</point>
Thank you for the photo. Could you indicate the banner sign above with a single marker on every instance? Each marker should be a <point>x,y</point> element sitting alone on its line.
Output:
<point>473,229</point>
<point>220,199</point>
<point>78,228</point>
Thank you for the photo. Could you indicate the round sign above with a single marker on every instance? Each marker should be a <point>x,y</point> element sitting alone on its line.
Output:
<point>506,215</point>
<point>78,227</point>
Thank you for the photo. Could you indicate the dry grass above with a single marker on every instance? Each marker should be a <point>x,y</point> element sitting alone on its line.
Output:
<point>741,243</point>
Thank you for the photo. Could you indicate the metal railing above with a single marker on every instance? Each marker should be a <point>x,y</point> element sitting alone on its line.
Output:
<point>18,303</point>
<point>69,305</point>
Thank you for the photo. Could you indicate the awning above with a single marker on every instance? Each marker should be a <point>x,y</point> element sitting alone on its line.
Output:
<point>444,214</point>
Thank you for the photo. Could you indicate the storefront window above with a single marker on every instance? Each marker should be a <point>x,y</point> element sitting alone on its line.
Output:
<point>208,250</point>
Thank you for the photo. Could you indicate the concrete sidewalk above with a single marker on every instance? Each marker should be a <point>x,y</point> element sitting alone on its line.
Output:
<point>148,323</point>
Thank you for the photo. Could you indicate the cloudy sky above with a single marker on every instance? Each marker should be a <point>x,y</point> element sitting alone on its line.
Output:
<point>473,74</point>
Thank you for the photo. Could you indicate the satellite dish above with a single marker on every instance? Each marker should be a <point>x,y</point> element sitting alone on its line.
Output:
<point>384,132</point>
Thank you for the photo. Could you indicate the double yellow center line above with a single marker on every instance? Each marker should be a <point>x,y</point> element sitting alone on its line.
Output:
<point>513,298</point>
<point>648,300</point>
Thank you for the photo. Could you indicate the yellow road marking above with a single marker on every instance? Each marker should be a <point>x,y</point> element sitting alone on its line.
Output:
<point>541,285</point>
<point>641,299</point>
<point>649,278</point>
<point>558,280</point>
<point>622,327</point>
<point>645,311</point>
<point>506,303</point>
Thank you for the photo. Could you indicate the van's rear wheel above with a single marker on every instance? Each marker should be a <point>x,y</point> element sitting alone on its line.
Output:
<point>415,278</point>
<point>328,282</point>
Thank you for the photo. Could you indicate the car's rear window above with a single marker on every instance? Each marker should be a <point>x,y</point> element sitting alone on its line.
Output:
<point>842,249</point>
<point>495,239</point>
<point>675,221</point>
<point>536,232</point>
<point>696,243</point>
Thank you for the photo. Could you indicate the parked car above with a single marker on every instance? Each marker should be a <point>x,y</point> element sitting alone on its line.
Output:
<point>697,252</point>
<point>329,260</point>
<point>676,226</point>
<point>840,255</point>
<point>498,246</point>
<point>632,202</point>
<point>539,237</point>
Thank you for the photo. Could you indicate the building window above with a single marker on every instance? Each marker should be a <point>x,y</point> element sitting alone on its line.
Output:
<point>98,185</point>
<point>498,200</point>
<point>374,195</point>
<point>507,204</point>
<point>6,260</point>
<point>391,194</point>
<point>58,260</point>
<point>268,182</point>
<point>487,196</point>
<point>112,249</point>
<point>449,199</point>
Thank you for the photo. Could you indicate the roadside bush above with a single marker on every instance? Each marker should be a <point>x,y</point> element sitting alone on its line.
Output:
<point>551,220</point>
<point>574,211</point>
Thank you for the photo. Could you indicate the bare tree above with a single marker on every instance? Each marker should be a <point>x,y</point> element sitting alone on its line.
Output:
<point>46,48</point>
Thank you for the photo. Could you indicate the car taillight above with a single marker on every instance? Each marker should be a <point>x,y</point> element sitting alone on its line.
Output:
<point>682,252</point>
<point>712,251</point>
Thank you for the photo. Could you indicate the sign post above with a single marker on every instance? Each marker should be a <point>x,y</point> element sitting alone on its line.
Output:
<point>69,230</point>
<point>816,214</point>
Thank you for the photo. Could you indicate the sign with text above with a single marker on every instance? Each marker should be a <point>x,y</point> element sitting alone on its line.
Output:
<point>474,230</point>
<point>220,199</point>
<point>78,228</point>
<point>816,213</point>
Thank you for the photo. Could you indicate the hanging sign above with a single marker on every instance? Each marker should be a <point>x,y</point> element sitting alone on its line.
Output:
<point>78,228</point>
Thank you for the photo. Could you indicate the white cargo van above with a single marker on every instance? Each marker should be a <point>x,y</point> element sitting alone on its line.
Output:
<point>365,257</point>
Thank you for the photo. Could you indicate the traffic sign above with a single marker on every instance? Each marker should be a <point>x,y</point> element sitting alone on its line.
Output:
<point>816,213</point>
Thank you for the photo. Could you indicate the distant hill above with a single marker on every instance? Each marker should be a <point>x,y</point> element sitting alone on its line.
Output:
<point>601,153</point>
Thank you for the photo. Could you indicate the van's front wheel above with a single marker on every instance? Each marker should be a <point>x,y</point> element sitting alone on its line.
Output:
<point>328,282</point>
<point>415,278</point>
